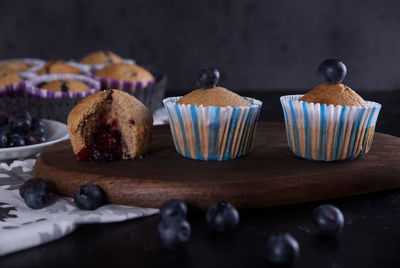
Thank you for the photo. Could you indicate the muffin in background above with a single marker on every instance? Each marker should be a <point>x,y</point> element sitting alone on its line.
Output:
<point>331,122</point>
<point>23,65</point>
<point>101,57</point>
<point>137,75</point>
<point>8,78</point>
<point>58,67</point>
<point>65,85</point>
<point>11,85</point>
<point>212,123</point>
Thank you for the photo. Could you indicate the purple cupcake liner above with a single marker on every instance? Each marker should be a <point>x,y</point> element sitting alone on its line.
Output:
<point>34,91</point>
<point>36,63</point>
<point>86,68</point>
<point>13,90</point>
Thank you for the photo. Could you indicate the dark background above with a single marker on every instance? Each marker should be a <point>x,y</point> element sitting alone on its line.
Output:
<point>256,44</point>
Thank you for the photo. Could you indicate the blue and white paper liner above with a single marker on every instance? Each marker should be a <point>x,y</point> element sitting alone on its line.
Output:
<point>212,133</point>
<point>34,91</point>
<point>86,68</point>
<point>327,132</point>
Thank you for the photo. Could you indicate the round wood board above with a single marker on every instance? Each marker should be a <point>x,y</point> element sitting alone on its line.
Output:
<point>271,175</point>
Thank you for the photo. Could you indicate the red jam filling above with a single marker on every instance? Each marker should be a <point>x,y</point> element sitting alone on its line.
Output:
<point>107,145</point>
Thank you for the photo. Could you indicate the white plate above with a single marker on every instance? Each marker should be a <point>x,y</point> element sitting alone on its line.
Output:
<point>54,131</point>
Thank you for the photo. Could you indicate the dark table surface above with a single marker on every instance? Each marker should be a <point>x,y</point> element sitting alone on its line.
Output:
<point>370,238</point>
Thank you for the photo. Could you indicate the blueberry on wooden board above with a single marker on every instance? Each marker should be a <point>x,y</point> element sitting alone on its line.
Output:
<point>222,217</point>
<point>328,220</point>
<point>282,249</point>
<point>173,232</point>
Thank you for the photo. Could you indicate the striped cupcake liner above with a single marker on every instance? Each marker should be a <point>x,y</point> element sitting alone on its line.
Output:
<point>36,63</point>
<point>13,90</point>
<point>128,86</point>
<point>212,133</point>
<point>86,68</point>
<point>328,132</point>
<point>34,91</point>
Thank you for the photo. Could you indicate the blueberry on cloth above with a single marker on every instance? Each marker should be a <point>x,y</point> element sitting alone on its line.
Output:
<point>173,208</point>
<point>222,217</point>
<point>35,193</point>
<point>173,232</point>
<point>88,197</point>
<point>282,249</point>
<point>328,220</point>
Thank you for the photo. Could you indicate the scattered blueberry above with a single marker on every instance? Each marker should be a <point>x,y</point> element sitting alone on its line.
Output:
<point>222,217</point>
<point>172,232</point>
<point>88,197</point>
<point>282,249</point>
<point>3,140</point>
<point>22,123</point>
<point>333,71</point>
<point>328,219</point>
<point>35,193</point>
<point>15,140</point>
<point>173,208</point>
<point>207,77</point>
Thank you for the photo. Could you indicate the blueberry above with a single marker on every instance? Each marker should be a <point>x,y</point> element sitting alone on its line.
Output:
<point>222,217</point>
<point>3,119</point>
<point>5,129</point>
<point>88,197</point>
<point>37,123</point>
<point>173,208</point>
<point>172,232</point>
<point>15,140</point>
<point>33,138</point>
<point>38,131</point>
<point>35,193</point>
<point>282,249</point>
<point>328,219</point>
<point>21,123</point>
<point>333,71</point>
<point>207,77</point>
<point>3,140</point>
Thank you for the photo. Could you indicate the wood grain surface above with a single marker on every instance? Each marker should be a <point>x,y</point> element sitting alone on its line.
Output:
<point>271,175</point>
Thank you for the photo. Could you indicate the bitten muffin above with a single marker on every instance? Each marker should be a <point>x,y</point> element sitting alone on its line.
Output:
<point>15,66</point>
<point>65,86</point>
<point>58,67</point>
<point>110,125</point>
<point>212,123</point>
<point>335,94</point>
<point>101,57</point>
<point>215,96</point>
<point>125,72</point>
<point>7,78</point>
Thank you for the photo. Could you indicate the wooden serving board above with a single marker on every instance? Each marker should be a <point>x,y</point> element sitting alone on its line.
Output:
<point>271,175</point>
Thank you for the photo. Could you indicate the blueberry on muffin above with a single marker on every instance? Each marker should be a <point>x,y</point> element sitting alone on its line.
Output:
<point>58,67</point>
<point>101,57</point>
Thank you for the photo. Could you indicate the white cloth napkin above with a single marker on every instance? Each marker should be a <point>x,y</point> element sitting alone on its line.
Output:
<point>22,227</point>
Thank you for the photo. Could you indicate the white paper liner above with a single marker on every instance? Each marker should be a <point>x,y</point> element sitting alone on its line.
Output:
<point>86,68</point>
<point>328,132</point>
<point>212,133</point>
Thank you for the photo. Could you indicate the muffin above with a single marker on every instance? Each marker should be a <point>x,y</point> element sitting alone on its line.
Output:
<point>331,122</point>
<point>58,67</point>
<point>24,65</point>
<point>101,57</point>
<point>8,78</point>
<point>61,86</point>
<point>110,125</point>
<point>134,74</point>
<point>67,85</point>
<point>212,123</point>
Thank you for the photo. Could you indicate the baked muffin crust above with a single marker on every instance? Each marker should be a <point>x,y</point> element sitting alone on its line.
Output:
<point>67,85</point>
<point>7,78</point>
<point>58,67</point>
<point>127,72</point>
<point>101,57</point>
